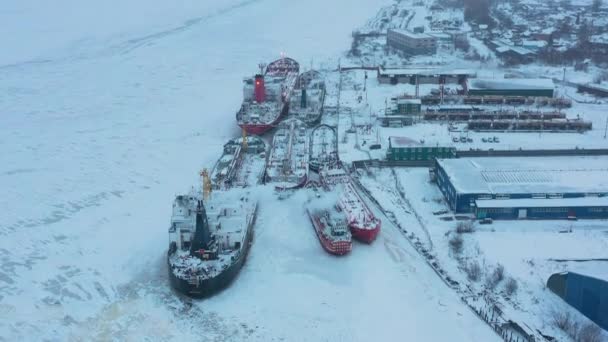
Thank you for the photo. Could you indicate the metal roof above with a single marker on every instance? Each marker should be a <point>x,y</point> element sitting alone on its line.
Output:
<point>528,175</point>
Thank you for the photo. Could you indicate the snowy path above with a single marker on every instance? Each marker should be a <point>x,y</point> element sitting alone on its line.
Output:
<point>98,132</point>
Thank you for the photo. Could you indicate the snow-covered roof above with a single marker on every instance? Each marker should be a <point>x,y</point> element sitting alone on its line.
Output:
<point>543,202</point>
<point>599,38</point>
<point>535,175</point>
<point>521,50</point>
<point>411,34</point>
<point>534,43</point>
<point>601,86</point>
<point>397,142</point>
<point>511,83</point>
<point>440,35</point>
<point>410,101</point>
<point>425,71</point>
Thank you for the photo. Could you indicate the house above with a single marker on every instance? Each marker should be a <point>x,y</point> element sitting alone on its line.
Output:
<point>411,43</point>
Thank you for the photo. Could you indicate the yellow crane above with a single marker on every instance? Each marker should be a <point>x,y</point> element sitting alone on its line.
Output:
<point>244,142</point>
<point>206,183</point>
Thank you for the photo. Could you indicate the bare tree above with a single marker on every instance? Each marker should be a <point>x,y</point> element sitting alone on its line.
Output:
<point>456,244</point>
<point>511,286</point>
<point>465,227</point>
<point>590,332</point>
<point>596,5</point>
<point>473,271</point>
<point>496,277</point>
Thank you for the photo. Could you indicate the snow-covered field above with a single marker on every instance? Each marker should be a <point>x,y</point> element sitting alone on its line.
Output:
<point>530,251</point>
<point>109,109</point>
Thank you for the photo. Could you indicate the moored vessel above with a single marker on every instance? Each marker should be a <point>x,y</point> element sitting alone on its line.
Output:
<point>209,240</point>
<point>331,229</point>
<point>241,164</point>
<point>323,148</point>
<point>287,164</point>
<point>266,96</point>
<point>308,98</point>
<point>364,225</point>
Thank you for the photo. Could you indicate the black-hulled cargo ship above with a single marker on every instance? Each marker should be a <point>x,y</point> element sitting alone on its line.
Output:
<point>209,240</point>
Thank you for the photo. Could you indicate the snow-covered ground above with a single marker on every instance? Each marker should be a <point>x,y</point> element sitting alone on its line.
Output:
<point>363,108</point>
<point>108,110</point>
<point>530,251</point>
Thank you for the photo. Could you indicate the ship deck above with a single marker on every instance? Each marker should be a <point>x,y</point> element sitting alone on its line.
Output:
<point>288,161</point>
<point>265,113</point>
<point>324,144</point>
<point>228,218</point>
<point>356,210</point>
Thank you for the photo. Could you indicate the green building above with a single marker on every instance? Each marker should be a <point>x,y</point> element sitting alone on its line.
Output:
<point>402,148</point>
<point>511,87</point>
<point>407,106</point>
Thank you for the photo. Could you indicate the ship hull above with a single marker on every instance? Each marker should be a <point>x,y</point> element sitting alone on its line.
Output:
<point>256,129</point>
<point>364,234</point>
<point>331,247</point>
<point>259,129</point>
<point>210,286</point>
<point>289,186</point>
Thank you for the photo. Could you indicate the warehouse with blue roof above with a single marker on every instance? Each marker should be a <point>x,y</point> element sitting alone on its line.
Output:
<point>526,187</point>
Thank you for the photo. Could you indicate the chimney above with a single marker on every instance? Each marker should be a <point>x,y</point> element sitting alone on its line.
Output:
<point>259,91</point>
<point>303,100</point>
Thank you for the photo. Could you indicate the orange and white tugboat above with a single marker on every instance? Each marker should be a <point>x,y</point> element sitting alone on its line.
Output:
<point>332,231</point>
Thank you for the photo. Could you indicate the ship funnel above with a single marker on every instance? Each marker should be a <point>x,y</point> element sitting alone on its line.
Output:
<point>259,90</point>
<point>303,103</point>
<point>202,235</point>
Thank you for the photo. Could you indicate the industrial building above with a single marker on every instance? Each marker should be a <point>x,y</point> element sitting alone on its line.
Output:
<point>405,106</point>
<point>424,75</point>
<point>411,43</point>
<point>593,89</point>
<point>402,148</point>
<point>511,87</point>
<point>526,187</point>
<point>401,112</point>
<point>587,294</point>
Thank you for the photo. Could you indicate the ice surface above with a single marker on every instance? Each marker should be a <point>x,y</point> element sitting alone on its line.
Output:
<point>108,110</point>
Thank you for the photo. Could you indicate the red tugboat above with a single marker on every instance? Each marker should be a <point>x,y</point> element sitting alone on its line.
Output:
<point>266,96</point>
<point>362,222</point>
<point>331,230</point>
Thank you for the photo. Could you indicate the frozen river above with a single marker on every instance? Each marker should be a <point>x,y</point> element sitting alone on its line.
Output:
<point>106,112</point>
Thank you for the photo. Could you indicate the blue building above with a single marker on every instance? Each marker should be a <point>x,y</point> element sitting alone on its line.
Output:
<point>589,295</point>
<point>526,187</point>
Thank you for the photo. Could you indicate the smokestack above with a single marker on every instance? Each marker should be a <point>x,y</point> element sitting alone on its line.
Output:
<point>202,235</point>
<point>259,90</point>
<point>303,103</point>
